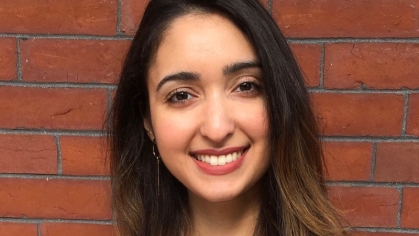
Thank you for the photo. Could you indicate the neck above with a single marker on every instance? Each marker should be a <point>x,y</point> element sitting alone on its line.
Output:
<point>234,217</point>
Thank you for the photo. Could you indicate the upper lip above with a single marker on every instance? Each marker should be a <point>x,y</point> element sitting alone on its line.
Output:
<point>218,152</point>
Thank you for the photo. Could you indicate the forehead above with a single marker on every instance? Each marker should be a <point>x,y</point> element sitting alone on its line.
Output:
<point>196,42</point>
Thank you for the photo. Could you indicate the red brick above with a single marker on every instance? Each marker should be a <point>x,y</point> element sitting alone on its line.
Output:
<point>8,58</point>
<point>84,156</point>
<point>28,154</point>
<point>67,229</point>
<point>14,229</point>
<point>412,126</point>
<point>359,114</point>
<point>348,161</point>
<point>132,11</point>
<point>54,198</point>
<point>343,18</point>
<point>375,65</point>
<point>367,206</point>
<point>410,208</point>
<point>308,57</point>
<point>397,162</point>
<point>52,108</point>
<point>95,17</point>
<point>83,61</point>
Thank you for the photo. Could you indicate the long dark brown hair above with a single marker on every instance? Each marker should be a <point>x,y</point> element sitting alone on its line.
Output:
<point>294,196</point>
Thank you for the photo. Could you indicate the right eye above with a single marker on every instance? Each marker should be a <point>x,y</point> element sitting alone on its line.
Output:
<point>179,97</point>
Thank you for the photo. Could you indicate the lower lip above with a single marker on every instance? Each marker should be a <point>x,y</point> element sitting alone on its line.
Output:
<point>220,170</point>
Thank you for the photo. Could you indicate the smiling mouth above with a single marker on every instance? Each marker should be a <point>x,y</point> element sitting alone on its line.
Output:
<point>219,160</point>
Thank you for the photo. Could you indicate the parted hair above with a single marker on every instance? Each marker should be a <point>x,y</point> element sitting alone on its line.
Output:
<point>294,197</point>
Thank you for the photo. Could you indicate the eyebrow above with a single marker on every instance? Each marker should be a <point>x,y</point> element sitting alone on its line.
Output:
<point>190,76</point>
<point>230,69</point>
<point>181,76</point>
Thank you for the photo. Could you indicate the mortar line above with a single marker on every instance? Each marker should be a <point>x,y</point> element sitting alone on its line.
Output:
<point>322,58</point>
<point>399,209</point>
<point>373,160</point>
<point>370,184</point>
<point>55,85</point>
<point>59,157</point>
<point>114,86</point>
<point>88,133</point>
<point>65,36</point>
<point>109,104</point>
<point>54,220</point>
<point>118,18</point>
<point>289,39</point>
<point>108,112</point>
<point>351,40</point>
<point>19,61</point>
<point>369,139</point>
<point>54,177</point>
<point>270,6</point>
<point>385,230</point>
<point>363,91</point>
<point>38,225</point>
<point>405,111</point>
<point>102,133</point>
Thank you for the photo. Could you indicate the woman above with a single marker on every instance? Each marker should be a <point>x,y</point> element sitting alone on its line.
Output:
<point>211,129</point>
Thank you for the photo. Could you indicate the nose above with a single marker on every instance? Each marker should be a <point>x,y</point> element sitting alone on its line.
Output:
<point>218,123</point>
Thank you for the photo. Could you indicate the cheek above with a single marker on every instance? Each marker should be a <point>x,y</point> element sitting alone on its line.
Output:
<point>173,132</point>
<point>260,129</point>
<point>254,122</point>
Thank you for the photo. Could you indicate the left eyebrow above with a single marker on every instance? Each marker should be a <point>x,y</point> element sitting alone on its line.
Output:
<point>240,66</point>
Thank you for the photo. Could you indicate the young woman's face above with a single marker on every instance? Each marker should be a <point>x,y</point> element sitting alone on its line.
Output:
<point>207,111</point>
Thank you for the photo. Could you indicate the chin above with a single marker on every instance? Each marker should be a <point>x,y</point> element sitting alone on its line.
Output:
<point>224,194</point>
<point>220,197</point>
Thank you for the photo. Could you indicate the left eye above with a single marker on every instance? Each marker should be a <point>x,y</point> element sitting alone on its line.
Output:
<point>246,87</point>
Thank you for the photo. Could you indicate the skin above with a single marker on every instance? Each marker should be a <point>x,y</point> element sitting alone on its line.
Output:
<point>213,111</point>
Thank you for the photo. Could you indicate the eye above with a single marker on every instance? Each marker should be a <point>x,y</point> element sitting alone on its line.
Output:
<point>248,87</point>
<point>179,96</point>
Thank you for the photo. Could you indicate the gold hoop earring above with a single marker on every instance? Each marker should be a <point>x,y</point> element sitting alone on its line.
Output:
<point>158,168</point>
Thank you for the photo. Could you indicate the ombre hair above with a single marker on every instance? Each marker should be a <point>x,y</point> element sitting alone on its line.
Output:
<point>294,197</point>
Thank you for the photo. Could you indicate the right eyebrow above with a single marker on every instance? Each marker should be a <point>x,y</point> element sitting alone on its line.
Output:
<point>180,76</point>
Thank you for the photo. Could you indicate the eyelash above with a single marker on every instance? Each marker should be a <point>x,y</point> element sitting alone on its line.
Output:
<point>172,95</point>
<point>256,88</point>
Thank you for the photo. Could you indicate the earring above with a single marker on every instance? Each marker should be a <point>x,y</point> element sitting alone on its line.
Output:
<point>158,168</point>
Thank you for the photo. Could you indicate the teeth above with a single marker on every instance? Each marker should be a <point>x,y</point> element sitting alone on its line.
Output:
<point>229,158</point>
<point>214,160</point>
<point>219,160</point>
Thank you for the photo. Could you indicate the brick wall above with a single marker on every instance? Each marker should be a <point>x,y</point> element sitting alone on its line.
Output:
<point>59,61</point>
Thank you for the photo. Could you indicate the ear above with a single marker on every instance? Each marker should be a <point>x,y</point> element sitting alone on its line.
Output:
<point>148,128</point>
